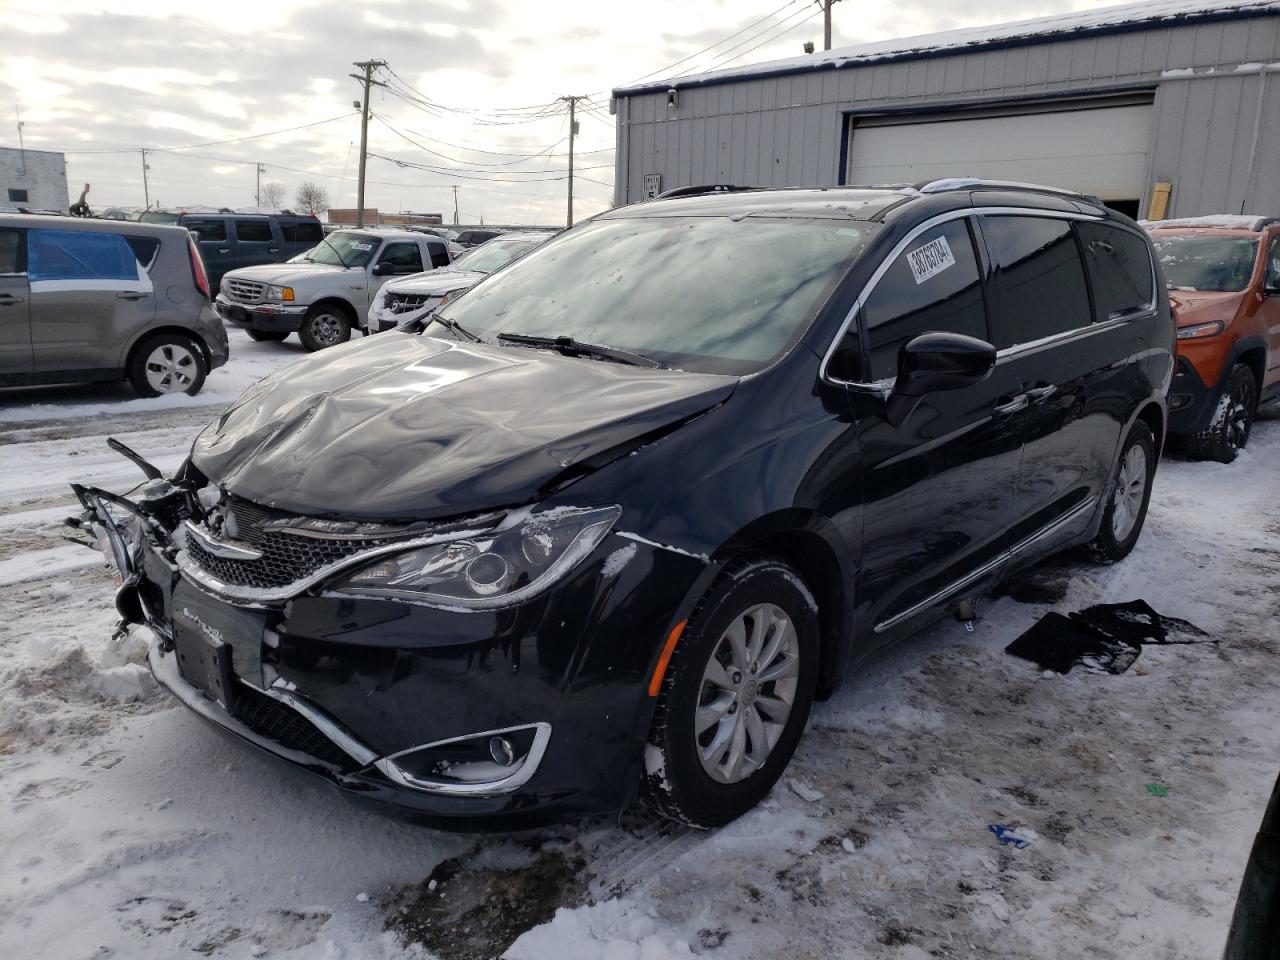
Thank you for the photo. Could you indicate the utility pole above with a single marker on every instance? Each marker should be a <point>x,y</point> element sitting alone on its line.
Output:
<point>826,22</point>
<point>455,205</point>
<point>258,186</point>
<point>146,191</point>
<point>573,132</point>
<point>22,150</point>
<point>368,66</point>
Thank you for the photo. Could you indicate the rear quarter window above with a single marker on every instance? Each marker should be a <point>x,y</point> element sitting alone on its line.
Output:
<point>253,231</point>
<point>145,249</point>
<point>1120,266</point>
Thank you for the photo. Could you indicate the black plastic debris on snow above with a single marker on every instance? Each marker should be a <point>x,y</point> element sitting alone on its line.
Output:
<point>1059,643</point>
<point>1104,638</point>
<point>1135,622</point>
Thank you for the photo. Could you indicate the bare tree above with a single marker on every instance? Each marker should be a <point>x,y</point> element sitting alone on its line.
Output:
<point>273,195</point>
<point>312,198</point>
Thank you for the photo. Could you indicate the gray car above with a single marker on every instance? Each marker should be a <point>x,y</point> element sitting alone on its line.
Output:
<point>93,301</point>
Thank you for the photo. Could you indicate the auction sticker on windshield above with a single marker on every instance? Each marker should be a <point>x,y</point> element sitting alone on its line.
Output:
<point>362,246</point>
<point>931,259</point>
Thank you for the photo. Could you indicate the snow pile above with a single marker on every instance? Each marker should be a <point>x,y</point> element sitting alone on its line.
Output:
<point>1223,221</point>
<point>613,930</point>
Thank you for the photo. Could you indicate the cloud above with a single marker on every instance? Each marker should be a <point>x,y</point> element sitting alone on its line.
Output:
<point>152,74</point>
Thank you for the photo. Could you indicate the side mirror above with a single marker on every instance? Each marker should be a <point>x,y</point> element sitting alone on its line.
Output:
<point>382,269</point>
<point>933,363</point>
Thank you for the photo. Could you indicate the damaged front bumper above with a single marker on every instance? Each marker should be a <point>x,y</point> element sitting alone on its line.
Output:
<point>479,719</point>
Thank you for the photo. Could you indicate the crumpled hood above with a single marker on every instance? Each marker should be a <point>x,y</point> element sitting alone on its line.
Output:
<point>436,282</point>
<point>410,427</point>
<point>1191,307</point>
<point>285,273</point>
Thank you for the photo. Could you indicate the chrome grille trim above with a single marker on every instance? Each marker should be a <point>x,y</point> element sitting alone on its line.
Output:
<point>407,302</point>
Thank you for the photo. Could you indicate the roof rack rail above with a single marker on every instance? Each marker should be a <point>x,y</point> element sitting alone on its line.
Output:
<point>1227,221</point>
<point>700,190</point>
<point>968,183</point>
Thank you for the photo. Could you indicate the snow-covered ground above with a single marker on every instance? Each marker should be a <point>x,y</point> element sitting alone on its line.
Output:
<point>132,829</point>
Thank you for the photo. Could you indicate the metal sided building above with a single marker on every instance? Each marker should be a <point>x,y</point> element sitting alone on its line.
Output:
<point>1167,108</point>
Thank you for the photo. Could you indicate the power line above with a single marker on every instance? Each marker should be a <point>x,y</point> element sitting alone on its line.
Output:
<point>214,143</point>
<point>468,163</point>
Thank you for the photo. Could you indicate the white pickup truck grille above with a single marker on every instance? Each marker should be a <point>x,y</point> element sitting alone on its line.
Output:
<point>244,291</point>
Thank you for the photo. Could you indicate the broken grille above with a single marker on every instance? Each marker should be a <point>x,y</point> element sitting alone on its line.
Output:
<point>286,557</point>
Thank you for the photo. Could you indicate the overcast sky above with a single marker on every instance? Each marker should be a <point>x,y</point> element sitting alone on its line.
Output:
<point>486,74</point>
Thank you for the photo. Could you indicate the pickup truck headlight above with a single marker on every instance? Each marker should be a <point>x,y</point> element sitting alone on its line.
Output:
<point>1201,330</point>
<point>495,569</point>
<point>279,293</point>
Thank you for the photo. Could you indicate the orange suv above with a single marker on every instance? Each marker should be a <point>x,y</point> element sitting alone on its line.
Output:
<point>1223,274</point>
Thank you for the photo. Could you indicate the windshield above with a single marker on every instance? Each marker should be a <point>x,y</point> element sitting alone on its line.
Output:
<point>710,294</point>
<point>494,254</point>
<point>343,248</point>
<point>1197,262</point>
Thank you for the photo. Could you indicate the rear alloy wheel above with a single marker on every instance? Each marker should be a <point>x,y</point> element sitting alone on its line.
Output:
<point>267,336</point>
<point>1227,435</point>
<point>167,363</point>
<point>324,327</point>
<point>735,697</point>
<point>1127,508</point>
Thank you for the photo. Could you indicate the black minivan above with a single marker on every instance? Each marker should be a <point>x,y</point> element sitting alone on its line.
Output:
<point>618,516</point>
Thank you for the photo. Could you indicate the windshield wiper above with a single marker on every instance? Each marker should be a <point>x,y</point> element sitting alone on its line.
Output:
<point>576,348</point>
<point>454,327</point>
<point>329,244</point>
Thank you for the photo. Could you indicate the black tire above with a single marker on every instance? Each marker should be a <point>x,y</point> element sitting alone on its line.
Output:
<point>677,785</point>
<point>181,358</point>
<point>1111,546</point>
<point>324,326</point>
<point>1232,422</point>
<point>266,336</point>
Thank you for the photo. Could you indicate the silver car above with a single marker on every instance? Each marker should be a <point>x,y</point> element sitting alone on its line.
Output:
<point>93,301</point>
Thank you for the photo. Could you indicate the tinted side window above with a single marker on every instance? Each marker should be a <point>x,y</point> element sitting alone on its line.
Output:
<point>1272,280</point>
<point>145,249</point>
<point>1120,266</point>
<point>207,230</point>
<point>79,255</point>
<point>404,257</point>
<point>932,285</point>
<point>1038,288</point>
<point>12,252</point>
<point>253,231</point>
<point>301,231</point>
<point>439,254</point>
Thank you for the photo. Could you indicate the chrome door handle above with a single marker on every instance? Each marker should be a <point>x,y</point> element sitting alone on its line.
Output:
<point>273,249</point>
<point>1020,402</point>
<point>129,295</point>
<point>224,250</point>
<point>1037,394</point>
<point>8,300</point>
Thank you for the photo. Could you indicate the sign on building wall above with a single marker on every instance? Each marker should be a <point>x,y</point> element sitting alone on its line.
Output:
<point>652,185</point>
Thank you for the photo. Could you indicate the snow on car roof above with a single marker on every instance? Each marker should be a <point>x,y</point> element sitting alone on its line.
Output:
<point>1223,221</point>
<point>967,37</point>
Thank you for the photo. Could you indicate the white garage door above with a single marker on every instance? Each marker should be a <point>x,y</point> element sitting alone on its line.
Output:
<point>1100,151</point>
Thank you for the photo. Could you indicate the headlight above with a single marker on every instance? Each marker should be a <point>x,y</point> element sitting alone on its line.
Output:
<point>279,293</point>
<point>1201,330</point>
<point>495,569</point>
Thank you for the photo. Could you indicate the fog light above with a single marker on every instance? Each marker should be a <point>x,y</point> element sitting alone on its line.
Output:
<point>503,753</point>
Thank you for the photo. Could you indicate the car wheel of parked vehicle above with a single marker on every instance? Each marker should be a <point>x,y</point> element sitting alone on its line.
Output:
<point>1232,421</point>
<point>167,363</point>
<point>267,336</point>
<point>735,696</point>
<point>1127,509</point>
<point>324,327</point>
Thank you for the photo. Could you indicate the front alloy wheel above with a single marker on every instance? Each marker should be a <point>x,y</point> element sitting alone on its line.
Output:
<point>1232,422</point>
<point>735,696</point>
<point>324,327</point>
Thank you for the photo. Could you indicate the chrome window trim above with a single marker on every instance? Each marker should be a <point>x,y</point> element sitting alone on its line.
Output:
<point>889,259</point>
<point>484,788</point>
<point>340,738</point>
<point>956,585</point>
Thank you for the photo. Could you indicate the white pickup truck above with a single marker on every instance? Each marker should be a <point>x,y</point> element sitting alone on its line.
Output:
<point>325,292</point>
